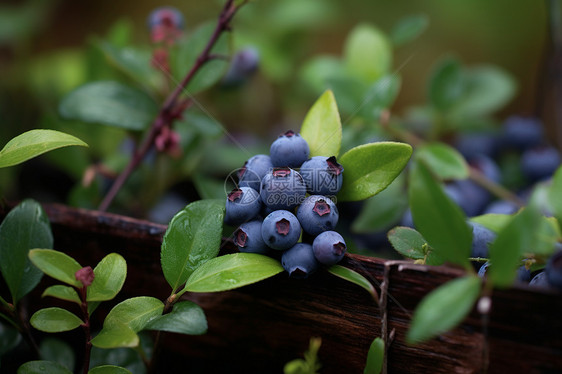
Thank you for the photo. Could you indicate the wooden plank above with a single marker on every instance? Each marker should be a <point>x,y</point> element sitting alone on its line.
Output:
<point>258,328</point>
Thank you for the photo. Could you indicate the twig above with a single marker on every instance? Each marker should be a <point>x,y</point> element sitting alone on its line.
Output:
<point>167,113</point>
<point>86,328</point>
<point>151,364</point>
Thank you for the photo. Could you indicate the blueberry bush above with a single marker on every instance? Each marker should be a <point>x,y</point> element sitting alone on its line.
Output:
<point>445,183</point>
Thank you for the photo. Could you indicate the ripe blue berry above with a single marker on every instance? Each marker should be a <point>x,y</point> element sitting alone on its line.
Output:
<point>475,144</point>
<point>481,239</point>
<point>329,247</point>
<point>501,207</point>
<point>483,270</point>
<point>242,205</point>
<point>242,66</point>
<point>317,214</point>
<point>554,270</point>
<point>280,230</point>
<point>522,132</point>
<point>282,188</point>
<point>248,238</point>
<point>540,280</point>
<point>299,261</point>
<point>322,175</point>
<point>290,150</point>
<point>254,170</point>
<point>540,162</point>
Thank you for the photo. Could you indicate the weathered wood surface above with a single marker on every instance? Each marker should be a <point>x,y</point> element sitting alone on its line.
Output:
<point>258,328</point>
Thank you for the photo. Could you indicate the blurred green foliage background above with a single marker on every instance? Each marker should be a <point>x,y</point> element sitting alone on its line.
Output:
<point>47,48</point>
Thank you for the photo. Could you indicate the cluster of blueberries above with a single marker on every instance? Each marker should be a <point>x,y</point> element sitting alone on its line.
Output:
<point>284,203</point>
<point>523,139</point>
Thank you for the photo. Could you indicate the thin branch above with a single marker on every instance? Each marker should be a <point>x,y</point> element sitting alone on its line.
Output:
<point>168,112</point>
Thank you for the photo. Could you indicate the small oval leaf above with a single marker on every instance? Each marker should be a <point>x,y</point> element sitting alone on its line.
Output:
<point>34,143</point>
<point>109,103</point>
<point>370,168</point>
<point>555,197</point>
<point>115,337</point>
<point>408,242</point>
<point>446,85</point>
<point>42,367</point>
<point>441,222</point>
<point>186,317</point>
<point>354,277</point>
<point>193,237</point>
<point>110,275</point>
<point>443,160</point>
<point>367,53</point>
<point>55,320</point>
<point>57,350</point>
<point>25,227</point>
<point>375,357</point>
<point>57,265</point>
<point>443,308</point>
<point>63,293</point>
<point>322,127</point>
<point>232,271</point>
<point>109,369</point>
<point>408,29</point>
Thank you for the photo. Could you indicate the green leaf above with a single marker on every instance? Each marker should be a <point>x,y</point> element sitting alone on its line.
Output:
<point>317,71</point>
<point>109,369</point>
<point>446,85</point>
<point>193,237</point>
<point>54,320</point>
<point>367,53</point>
<point>443,308</point>
<point>488,88</point>
<point>408,242</point>
<point>441,222</point>
<point>375,357</point>
<point>353,277</point>
<point>116,336</point>
<point>555,196</point>
<point>190,49</point>
<point>186,317</point>
<point>370,168</point>
<point>57,265</point>
<point>109,276</point>
<point>125,320</point>
<point>63,293</point>
<point>232,271</point>
<point>25,227</point>
<point>42,367</point>
<point>382,211</point>
<point>56,350</point>
<point>443,160</point>
<point>109,103</point>
<point>517,237</point>
<point>322,127</point>
<point>493,221</point>
<point>381,94</point>
<point>34,143</point>
<point>408,29</point>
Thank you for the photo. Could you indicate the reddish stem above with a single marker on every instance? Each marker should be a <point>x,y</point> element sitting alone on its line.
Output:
<point>167,112</point>
<point>86,328</point>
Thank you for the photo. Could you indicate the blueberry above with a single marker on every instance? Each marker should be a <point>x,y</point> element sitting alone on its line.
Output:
<point>254,170</point>
<point>468,195</point>
<point>317,214</point>
<point>242,205</point>
<point>540,162</point>
<point>523,274</point>
<point>248,238</point>
<point>487,167</point>
<point>329,247</point>
<point>522,132</point>
<point>290,149</point>
<point>475,144</point>
<point>481,239</point>
<point>282,188</point>
<point>540,280</point>
<point>299,261</point>
<point>554,270</point>
<point>242,66</point>
<point>166,16</point>
<point>280,230</point>
<point>501,207</point>
<point>407,220</point>
<point>322,175</point>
